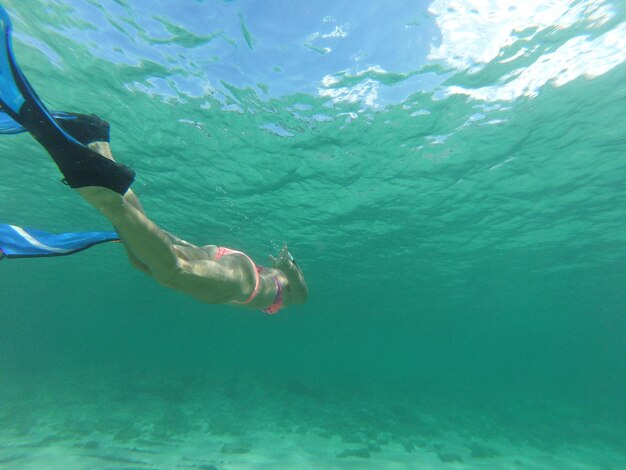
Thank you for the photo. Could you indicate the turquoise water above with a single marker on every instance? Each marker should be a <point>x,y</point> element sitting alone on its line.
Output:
<point>450,177</point>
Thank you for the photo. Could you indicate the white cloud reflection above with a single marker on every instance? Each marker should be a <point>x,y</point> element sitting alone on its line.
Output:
<point>477,32</point>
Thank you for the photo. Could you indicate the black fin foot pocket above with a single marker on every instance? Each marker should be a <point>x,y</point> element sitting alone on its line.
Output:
<point>86,128</point>
<point>80,165</point>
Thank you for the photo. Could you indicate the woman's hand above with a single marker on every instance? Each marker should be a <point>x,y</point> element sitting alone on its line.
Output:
<point>283,260</point>
<point>296,287</point>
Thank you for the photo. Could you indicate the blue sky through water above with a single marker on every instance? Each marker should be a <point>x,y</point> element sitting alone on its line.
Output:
<point>371,53</point>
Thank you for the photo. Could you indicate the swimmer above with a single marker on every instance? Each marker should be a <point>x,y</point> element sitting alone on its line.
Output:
<point>80,147</point>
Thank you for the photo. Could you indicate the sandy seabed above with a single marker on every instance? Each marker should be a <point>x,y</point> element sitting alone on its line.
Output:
<point>143,421</point>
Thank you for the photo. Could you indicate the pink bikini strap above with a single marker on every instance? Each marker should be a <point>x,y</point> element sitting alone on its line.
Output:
<point>278,299</point>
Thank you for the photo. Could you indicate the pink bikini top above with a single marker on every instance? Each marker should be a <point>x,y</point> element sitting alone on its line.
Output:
<point>278,299</point>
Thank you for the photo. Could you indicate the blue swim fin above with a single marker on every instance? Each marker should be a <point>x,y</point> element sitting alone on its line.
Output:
<point>80,165</point>
<point>18,242</point>
<point>9,126</point>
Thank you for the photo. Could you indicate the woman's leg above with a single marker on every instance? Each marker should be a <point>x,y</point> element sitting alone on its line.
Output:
<point>149,246</point>
<point>104,149</point>
<point>205,279</point>
<point>160,255</point>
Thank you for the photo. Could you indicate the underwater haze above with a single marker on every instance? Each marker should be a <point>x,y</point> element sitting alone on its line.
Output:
<point>450,176</point>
